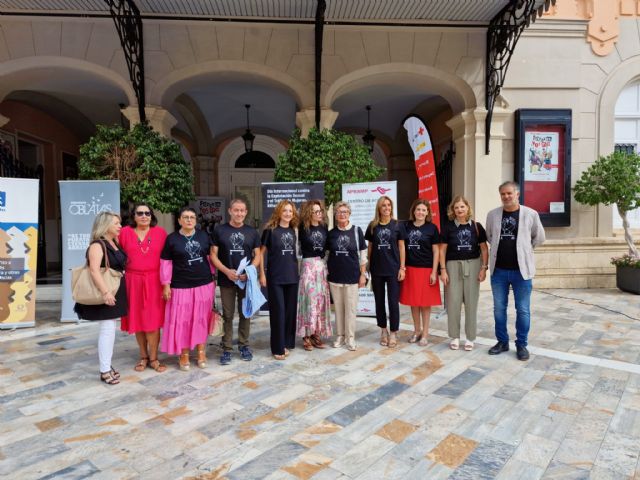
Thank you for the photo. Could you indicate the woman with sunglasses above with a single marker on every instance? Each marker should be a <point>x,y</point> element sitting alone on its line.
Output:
<point>313,290</point>
<point>142,240</point>
<point>186,274</point>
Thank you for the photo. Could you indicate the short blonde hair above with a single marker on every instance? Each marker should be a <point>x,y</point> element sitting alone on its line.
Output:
<point>459,198</point>
<point>101,224</point>
<point>341,204</point>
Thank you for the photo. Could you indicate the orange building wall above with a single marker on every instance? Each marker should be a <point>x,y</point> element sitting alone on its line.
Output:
<point>35,126</point>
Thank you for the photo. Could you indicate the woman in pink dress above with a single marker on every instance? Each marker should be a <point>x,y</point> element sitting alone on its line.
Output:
<point>142,241</point>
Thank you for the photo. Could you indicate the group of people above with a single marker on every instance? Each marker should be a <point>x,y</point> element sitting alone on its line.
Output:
<point>169,280</point>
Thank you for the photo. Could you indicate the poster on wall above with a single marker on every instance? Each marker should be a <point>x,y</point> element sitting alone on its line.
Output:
<point>543,163</point>
<point>211,212</point>
<point>542,156</point>
<point>18,251</point>
<point>80,202</point>
<point>363,198</point>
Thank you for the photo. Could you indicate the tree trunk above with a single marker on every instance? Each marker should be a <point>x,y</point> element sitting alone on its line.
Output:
<point>633,251</point>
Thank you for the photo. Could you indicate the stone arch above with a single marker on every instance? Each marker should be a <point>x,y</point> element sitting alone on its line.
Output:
<point>12,70</point>
<point>625,73</point>
<point>235,148</point>
<point>451,87</point>
<point>169,87</point>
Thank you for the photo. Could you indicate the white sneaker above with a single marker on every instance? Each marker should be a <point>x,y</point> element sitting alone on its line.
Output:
<point>351,345</point>
<point>339,341</point>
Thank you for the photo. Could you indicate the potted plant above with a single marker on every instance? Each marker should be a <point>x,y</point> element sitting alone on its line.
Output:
<point>615,180</point>
<point>149,166</point>
<point>328,155</point>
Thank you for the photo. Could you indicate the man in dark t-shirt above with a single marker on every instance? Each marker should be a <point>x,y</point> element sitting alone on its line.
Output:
<point>513,231</point>
<point>232,242</point>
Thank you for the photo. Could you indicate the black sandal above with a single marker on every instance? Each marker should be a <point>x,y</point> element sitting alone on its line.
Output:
<point>108,378</point>
<point>115,373</point>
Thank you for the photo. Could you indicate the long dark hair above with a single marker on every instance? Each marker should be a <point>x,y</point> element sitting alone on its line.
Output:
<point>132,215</point>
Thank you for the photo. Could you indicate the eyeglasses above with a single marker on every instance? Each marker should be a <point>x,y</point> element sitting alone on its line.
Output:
<point>190,219</point>
<point>342,212</point>
<point>143,213</point>
<point>316,212</point>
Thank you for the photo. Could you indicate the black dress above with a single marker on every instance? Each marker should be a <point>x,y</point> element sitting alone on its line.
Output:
<point>117,261</point>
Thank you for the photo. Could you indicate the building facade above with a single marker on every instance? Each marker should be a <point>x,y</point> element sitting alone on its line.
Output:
<point>63,71</point>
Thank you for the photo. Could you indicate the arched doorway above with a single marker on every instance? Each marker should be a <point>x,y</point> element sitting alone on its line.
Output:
<point>627,136</point>
<point>246,172</point>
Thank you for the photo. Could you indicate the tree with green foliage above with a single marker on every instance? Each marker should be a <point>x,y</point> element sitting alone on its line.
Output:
<point>150,167</point>
<point>613,180</point>
<point>328,155</point>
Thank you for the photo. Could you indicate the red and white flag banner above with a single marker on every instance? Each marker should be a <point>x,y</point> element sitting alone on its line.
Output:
<point>420,142</point>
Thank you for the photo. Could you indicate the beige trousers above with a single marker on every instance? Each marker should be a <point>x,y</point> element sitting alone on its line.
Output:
<point>345,302</point>
<point>463,287</point>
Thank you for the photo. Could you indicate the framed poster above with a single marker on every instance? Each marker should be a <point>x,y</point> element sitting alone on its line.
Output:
<point>543,163</point>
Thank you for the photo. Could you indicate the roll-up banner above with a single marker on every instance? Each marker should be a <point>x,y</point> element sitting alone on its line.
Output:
<point>420,142</point>
<point>363,198</point>
<point>80,202</point>
<point>18,251</point>
<point>298,193</point>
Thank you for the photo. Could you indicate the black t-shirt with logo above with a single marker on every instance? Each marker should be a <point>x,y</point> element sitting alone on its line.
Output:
<point>191,267</point>
<point>282,263</point>
<point>418,243</point>
<point>507,256</point>
<point>234,244</point>
<point>463,242</point>
<point>313,242</point>
<point>385,255</point>
<point>344,258</point>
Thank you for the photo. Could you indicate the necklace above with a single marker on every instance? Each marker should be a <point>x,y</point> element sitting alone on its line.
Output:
<point>188,237</point>
<point>140,242</point>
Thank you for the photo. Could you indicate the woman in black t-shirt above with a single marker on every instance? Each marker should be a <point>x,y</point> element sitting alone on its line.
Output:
<point>464,242</point>
<point>420,288</point>
<point>280,276</point>
<point>186,275</point>
<point>314,320</point>
<point>386,262</point>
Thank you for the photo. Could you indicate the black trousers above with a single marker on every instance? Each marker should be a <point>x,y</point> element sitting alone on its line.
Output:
<point>378,284</point>
<point>283,308</point>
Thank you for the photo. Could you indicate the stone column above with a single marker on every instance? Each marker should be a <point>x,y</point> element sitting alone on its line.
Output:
<point>159,118</point>
<point>204,172</point>
<point>306,119</point>
<point>475,174</point>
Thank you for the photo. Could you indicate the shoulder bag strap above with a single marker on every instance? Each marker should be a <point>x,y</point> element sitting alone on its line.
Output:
<point>106,254</point>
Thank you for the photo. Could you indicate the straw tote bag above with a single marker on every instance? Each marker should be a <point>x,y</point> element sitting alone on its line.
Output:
<point>84,291</point>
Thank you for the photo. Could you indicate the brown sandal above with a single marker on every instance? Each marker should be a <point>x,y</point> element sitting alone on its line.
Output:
<point>384,338</point>
<point>306,343</point>
<point>202,358</point>
<point>316,341</point>
<point>142,364</point>
<point>393,340</point>
<point>279,357</point>
<point>157,366</point>
<point>108,378</point>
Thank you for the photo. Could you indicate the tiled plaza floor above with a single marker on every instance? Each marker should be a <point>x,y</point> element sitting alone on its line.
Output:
<point>571,412</point>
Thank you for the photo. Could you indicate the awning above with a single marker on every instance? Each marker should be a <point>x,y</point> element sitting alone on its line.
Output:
<point>470,12</point>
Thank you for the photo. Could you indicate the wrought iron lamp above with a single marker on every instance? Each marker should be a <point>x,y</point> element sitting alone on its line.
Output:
<point>248,137</point>
<point>369,138</point>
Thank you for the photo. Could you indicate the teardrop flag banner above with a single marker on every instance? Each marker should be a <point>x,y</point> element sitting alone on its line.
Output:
<point>420,142</point>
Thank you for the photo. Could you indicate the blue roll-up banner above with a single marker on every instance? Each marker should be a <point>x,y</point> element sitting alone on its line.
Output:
<point>18,251</point>
<point>80,202</point>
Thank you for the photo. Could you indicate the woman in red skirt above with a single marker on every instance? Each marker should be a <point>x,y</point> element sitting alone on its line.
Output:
<point>420,289</point>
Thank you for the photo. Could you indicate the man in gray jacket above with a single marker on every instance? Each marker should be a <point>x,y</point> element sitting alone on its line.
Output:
<point>513,231</point>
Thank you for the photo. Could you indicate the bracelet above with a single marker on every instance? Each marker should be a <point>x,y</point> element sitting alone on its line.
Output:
<point>403,268</point>
<point>484,267</point>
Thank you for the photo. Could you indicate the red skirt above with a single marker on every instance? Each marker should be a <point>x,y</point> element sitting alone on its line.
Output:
<point>415,290</point>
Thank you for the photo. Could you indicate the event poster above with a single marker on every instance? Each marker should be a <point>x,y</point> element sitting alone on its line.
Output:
<point>18,251</point>
<point>363,198</point>
<point>80,202</point>
<point>420,141</point>
<point>211,211</point>
<point>541,150</point>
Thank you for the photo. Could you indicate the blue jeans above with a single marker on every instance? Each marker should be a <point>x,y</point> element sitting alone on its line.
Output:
<point>501,279</point>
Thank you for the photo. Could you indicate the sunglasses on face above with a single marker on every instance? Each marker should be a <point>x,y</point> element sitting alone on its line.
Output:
<point>143,213</point>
